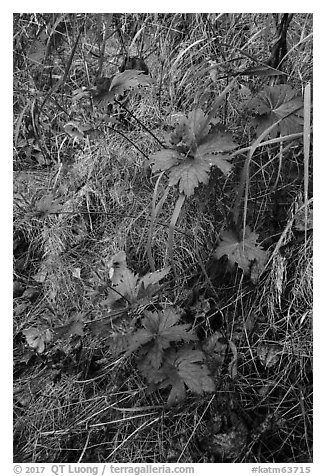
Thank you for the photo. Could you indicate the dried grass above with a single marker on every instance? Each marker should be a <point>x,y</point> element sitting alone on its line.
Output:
<point>79,403</point>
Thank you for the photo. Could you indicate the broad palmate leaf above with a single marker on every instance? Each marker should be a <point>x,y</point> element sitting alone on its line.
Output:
<point>184,368</point>
<point>275,103</point>
<point>192,157</point>
<point>159,330</point>
<point>244,253</point>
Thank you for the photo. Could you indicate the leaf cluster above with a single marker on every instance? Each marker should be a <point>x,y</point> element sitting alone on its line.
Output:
<point>162,344</point>
<point>162,363</point>
<point>194,146</point>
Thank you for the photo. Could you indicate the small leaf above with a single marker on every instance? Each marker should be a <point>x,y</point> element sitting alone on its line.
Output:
<point>122,82</point>
<point>302,220</point>
<point>117,266</point>
<point>200,308</point>
<point>126,288</point>
<point>126,284</point>
<point>147,285</point>
<point>229,445</point>
<point>76,273</point>
<point>47,205</point>
<point>104,327</point>
<point>179,135</point>
<point>73,130</point>
<point>74,327</point>
<point>78,94</point>
<point>233,365</point>
<point>37,51</point>
<point>38,337</point>
<point>215,348</point>
<point>269,354</point>
<point>41,275</point>
<point>177,393</point>
<point>242,253</point>
<point>215,344</point>
<point>196,120</point>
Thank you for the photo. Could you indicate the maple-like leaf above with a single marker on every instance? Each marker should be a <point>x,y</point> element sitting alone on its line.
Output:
<point>275,103</point>
<point>159,330</point>
<point>184,368</point>
<point>126,284</point>
<point>194,154</point>
<point>37,337</point>
<point>244,253</point>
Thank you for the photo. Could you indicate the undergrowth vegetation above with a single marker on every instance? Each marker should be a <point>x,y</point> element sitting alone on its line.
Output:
<point>162,238</point>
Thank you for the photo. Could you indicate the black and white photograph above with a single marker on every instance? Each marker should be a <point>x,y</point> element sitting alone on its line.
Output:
<point>162,241</point>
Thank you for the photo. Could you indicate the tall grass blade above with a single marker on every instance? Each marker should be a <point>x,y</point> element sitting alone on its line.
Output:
<point>306,148</point>
<point>175,216</point>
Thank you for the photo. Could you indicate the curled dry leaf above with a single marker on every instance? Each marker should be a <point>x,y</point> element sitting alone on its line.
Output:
<point>228,445</point>
<point>269,354</point>
<point>117,266</point>
<point>47,205</point>
<point>37,337</point>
